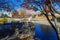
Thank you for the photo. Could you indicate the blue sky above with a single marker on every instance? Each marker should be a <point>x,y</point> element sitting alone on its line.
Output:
<point>16,4</point>
<point>57,6</point>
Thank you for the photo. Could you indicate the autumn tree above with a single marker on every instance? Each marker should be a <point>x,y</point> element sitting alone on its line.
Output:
<point>43,4</point>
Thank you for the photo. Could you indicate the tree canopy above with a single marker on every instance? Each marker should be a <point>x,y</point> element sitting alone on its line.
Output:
<point>14,4</point>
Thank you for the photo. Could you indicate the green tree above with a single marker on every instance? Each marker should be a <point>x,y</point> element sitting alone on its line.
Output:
<point>4,15</point>
<point>34,16</point>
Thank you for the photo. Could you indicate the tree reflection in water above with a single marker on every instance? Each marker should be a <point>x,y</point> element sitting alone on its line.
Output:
<point>14,30</point>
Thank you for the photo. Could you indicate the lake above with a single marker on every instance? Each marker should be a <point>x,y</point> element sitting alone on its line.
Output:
<point>42,32</point>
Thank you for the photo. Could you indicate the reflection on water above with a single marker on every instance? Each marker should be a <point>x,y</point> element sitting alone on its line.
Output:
<point>9,29</point>
<point>42,32</point>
